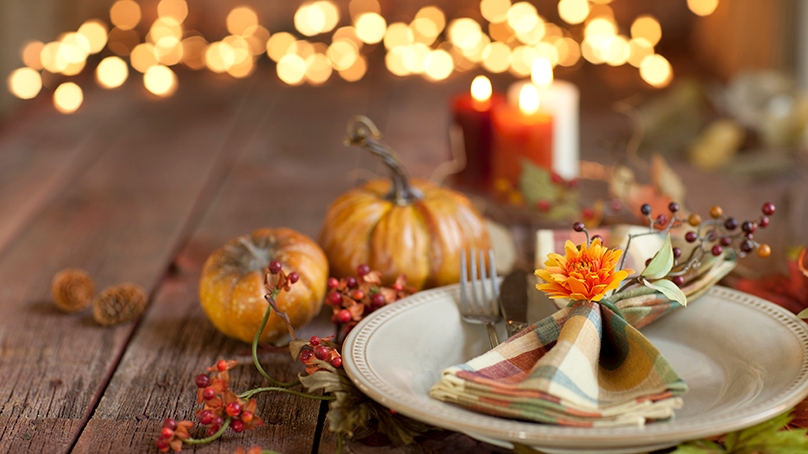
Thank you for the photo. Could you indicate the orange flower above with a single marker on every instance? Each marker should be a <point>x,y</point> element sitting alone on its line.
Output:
<point>584,273</point>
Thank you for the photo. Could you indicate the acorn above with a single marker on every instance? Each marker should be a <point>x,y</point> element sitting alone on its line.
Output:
<point>72,290</point>
<point>118,304</point>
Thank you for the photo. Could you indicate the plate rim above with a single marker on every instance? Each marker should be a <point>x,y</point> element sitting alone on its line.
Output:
<point>525,432</point>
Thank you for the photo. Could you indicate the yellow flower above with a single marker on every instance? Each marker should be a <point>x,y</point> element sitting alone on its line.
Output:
<point>584,273</point>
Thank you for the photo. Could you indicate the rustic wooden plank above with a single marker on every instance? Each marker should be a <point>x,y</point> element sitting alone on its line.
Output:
<point>42,151</point>
<point>121,219</point>
<point>273,184</point>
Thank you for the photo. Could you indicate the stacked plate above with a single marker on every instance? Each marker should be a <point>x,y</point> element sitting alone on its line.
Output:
<point>744,359</point>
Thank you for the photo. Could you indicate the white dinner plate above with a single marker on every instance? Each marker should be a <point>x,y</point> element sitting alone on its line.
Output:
<point>744,359</point>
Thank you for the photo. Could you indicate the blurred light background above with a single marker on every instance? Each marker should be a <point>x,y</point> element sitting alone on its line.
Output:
<point>45,44</point>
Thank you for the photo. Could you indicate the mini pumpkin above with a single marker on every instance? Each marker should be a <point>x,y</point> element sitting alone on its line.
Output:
<point>399,226</point>
<point>232,291</point>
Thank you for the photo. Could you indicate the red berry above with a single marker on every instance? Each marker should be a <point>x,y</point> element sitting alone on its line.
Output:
<point>578,226</point>
<point>673,207</point>
<point>336,362</point>
<point>233,409</point>
<point>377,300</point>
<point>208,393</point>
<point>362,269</point>
<point>162,444</point>
<point>747,246</point>
<point>213,429</point>
<point>170,423</point>
<point>321,352</point>
<point>275,267</point>
<point>305,355</point>
<point>748,226</point>
<point>543,205</point>
<point>398,287</point>
<point>691,236</point>
<point>588,213</point>
<point>202,380</point>
<point>556,178</point>
<point>677,252</point>
<point>358,295</point>
<point>166,432</point>
<point>221,365</point>
<point>768,208</point>
<point>763,222</point>
<point>725,241</point>
<point>344,316</point>
<point>350,281</point>
<point>237,425</point>
<point>334,298</point>
<point>205,417</point>
<point>645,209</point>
<point>332,283</point>
<point>314,341</point>
<point>247,416</point>
<point>662,219</point>
<point>217,422</point>
<point>293,277</point>
<point>717,250</point>
<point>678,280</point>
<point>731,224</point>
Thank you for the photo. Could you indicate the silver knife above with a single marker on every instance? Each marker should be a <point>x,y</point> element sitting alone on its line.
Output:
<point>513,300</point>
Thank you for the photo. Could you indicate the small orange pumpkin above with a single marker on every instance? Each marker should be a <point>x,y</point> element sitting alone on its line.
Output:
<point>399,227</point>
<point>232,286</point>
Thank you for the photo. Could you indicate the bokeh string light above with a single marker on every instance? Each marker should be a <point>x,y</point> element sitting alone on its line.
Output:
<point>512,37</point>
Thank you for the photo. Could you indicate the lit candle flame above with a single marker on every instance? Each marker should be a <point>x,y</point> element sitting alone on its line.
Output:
<point>481,89</point>
<point>529,99</point>
<point>541,73</point>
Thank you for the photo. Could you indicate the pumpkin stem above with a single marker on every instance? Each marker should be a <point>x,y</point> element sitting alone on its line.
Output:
<point>363,133</point>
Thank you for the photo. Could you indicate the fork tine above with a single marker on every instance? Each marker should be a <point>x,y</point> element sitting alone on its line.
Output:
<point>485,303</point>
<point>475,300</point>
<point>464,282</point>
<point>494,278</point>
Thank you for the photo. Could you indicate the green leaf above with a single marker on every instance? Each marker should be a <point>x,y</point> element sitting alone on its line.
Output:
<point>662,262</point>
<point>536,183</point>
<point>668,289</point>
<point>699,447</point>
<point>803,313</point>
<point>760,432</point>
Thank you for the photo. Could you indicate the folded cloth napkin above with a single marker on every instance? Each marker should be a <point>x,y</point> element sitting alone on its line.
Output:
<point>582,366</point>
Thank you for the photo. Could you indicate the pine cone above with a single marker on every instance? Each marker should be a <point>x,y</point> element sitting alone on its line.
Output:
<point>72,289</point>
<point>118,304</point>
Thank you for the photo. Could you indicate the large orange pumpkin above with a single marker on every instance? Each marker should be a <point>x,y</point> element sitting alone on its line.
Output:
<point>397,226</point>
<point>232,286</point>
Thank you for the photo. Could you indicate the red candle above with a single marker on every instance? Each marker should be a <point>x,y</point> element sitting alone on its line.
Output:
<point>472,115</point>
<point>523,133</point>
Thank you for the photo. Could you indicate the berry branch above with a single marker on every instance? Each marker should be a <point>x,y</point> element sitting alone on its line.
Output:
<point>350,412</point>
<point>716,236</point>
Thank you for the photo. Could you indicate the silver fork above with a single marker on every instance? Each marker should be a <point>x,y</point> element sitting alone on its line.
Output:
<point>482,306</point>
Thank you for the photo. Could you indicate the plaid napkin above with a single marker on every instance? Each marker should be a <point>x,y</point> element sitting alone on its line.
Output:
<point>582,366</point>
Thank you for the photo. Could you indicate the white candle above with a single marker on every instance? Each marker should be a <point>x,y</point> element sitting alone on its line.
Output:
<point>561,99</point>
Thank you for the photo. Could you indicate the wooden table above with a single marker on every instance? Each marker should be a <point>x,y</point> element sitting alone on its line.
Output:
<point>136,189</point>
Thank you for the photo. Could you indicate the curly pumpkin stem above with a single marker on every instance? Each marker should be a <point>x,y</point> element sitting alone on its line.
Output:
<point>363,133</point>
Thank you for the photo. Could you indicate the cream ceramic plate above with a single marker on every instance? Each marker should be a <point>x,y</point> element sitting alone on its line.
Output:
<point>745,360</point>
